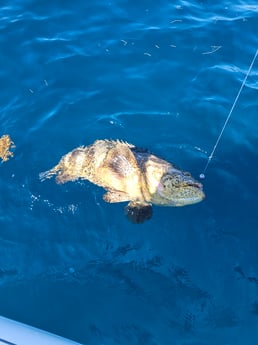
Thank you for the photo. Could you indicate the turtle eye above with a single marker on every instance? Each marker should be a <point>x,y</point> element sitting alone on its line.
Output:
<point>186,173</point>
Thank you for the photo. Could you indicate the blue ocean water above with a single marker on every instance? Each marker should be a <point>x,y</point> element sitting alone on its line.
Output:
<point>161,75</point>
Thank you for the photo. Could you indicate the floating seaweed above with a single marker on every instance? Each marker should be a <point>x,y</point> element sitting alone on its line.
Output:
<point>6,144</point>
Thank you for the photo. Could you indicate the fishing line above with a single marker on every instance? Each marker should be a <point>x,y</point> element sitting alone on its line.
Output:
<point>202,175</point>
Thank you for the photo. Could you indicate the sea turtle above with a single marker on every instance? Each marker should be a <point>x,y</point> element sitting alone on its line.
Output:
<point>128,173</point>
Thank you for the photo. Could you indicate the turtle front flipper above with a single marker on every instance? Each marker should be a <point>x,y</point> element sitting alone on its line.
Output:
<point>138,213</point>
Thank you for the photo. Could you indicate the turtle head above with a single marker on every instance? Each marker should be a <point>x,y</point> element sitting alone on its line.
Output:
<point>178,188</point>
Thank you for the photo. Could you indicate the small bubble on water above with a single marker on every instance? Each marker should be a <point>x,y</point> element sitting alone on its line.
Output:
<point>202,176</point>
<point>71,270</point>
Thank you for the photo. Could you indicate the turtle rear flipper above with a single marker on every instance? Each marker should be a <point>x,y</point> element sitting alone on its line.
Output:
<point>138,213</point>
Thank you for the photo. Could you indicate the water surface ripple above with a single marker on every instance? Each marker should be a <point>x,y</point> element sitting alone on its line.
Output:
<point>162,75</point>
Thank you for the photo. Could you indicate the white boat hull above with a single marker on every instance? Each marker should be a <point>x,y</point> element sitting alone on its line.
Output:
<point>16,333</point>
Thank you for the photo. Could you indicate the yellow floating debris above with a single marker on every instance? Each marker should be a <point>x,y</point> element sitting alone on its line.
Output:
<point>6,144</point>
